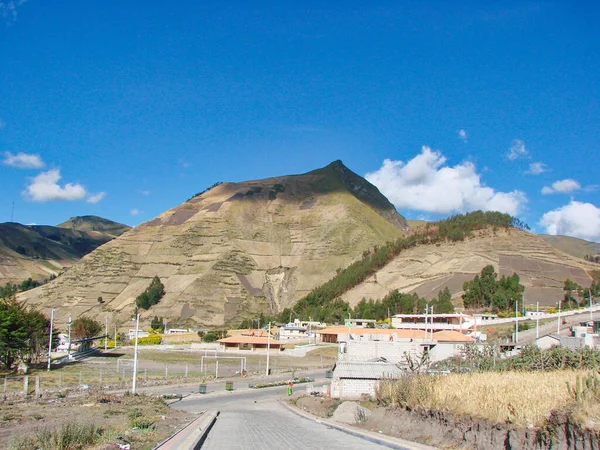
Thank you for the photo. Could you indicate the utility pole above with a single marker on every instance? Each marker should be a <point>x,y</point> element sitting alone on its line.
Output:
<point>558,321</point>
<point>516,322</point>
<point>268,348</point>
<point>537,320</point>
<point>105,333</point>
<point>135,352</point>
<point>115,335</point>
<point>431,322</point>
<point>69,349</point>
<point>50,339</point>
<point>591,316</point>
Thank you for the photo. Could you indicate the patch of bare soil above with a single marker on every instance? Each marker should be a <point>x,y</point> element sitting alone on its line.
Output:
<point>318,406</point>
<point>141,420</point>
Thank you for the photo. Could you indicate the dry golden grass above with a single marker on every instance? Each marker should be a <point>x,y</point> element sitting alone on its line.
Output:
<point>516,397</point>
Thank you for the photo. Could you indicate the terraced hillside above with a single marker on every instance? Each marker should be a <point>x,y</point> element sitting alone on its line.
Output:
<point>426,269</point>
<point>232,252</point>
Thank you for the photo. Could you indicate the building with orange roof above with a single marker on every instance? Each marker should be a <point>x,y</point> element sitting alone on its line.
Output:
<point>249,343</point>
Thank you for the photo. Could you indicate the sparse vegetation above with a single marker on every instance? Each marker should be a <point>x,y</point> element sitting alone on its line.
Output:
<point>68,436</point>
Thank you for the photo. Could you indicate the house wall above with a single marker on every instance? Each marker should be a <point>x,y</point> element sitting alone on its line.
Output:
<point>445,350</point>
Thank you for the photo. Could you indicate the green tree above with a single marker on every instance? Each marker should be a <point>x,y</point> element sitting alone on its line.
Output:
<point>152,295</point>
<point>85,327</point>
<point>157,324</point>
<point>24,333</point>
<point>210,337</point>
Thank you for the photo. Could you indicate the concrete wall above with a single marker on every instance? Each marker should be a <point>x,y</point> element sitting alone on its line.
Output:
<point>352,389</point>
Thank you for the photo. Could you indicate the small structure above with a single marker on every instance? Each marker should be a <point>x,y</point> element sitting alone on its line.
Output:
<point>177,331</point>
<point>352,379</point>
<point>248,343</point>
<point>140,334</point>
<point>360,323</point>
<point>545,342</point>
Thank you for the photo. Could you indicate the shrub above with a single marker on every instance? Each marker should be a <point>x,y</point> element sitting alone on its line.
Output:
<point>153,339</point>
<point>408,391</point>
<point>210,337</point>
<point>69,436</point>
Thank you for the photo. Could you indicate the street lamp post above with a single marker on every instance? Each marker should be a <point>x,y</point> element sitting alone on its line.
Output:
<point>69,349</point>
<point>135,352</point>
<point>50,339</point>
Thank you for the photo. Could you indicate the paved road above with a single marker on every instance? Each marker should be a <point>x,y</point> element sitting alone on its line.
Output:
<point>270,425</point>
<point>253,419</point>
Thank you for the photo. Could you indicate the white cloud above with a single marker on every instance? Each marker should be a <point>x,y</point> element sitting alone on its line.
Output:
<point>576,219</point>
<point>517,150</point>
<point>144,192</point>
<point>135,212</point>
<point>537,168</point>
<point>425,183</point>
<point>45,188</point>
<point>23,160</point>
<point>95,198</point>
<point>8,9</point>
<point>462,135</point>
<point>561,187</point>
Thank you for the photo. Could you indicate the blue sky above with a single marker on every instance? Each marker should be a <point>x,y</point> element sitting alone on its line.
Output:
<point>125,109</point>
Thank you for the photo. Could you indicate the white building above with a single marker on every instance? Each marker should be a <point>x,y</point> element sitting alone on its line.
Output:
<point>291,331</point>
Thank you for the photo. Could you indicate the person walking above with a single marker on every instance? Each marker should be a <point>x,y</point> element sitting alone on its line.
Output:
<point>289,389</point>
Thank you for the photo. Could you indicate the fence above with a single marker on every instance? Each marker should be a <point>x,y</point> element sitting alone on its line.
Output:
<point>97,374</point>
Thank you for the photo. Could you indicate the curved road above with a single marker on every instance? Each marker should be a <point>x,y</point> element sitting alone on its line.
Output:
<point>253,419</point>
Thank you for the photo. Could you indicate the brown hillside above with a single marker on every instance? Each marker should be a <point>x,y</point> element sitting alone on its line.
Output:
<point>39,251</point>
<point>232,252</point>
<point>428,269</point>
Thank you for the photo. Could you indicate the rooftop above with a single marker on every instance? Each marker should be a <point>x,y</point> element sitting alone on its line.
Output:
<point>366,370</point>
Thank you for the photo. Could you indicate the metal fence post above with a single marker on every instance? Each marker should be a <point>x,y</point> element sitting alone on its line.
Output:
<point>186,370</point>
<point>80,375</point>
<point>38,393</point>
<point>145,374</point>
<point>26,384</point>
<point>166,372</point>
